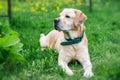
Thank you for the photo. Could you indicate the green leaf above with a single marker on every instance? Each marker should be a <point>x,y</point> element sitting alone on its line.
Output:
<point>10,45</point>
<point>9,40</point>
<point>14,57</point>
<point>19,57</point>
<point>17,47</point>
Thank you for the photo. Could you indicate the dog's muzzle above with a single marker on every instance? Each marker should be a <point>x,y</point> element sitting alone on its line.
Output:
<point>56,23</point>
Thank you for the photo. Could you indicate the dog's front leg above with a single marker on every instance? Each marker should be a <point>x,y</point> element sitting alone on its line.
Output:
<point>86,63</point>
<point>63,62</point>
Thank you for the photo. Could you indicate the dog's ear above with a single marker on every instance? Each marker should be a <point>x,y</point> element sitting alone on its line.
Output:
<point>79,18</point>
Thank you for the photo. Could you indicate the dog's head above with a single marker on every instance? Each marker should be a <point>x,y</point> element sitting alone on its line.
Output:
<point>69,19</point>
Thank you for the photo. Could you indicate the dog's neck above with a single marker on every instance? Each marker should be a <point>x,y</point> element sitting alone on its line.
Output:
<point>72,34</point>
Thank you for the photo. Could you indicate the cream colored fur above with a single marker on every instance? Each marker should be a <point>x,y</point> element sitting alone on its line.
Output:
<point>69,27</point>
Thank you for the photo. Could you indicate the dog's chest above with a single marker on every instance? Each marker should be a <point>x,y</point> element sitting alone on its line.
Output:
<point>73,50</point>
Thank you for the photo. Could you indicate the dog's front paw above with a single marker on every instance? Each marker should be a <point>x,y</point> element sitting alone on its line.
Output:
<point>69,72</point>
<point>42,35</point>
<point>88,74</point>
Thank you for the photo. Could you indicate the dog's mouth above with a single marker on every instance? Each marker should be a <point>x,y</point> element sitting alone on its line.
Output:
<point>56,26</point>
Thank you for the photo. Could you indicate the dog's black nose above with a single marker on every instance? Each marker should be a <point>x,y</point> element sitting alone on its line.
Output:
<point>56,20</point>
<point>56,23</point>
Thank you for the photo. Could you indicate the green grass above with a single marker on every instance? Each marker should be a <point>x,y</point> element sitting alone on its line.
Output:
<point>102,29</point>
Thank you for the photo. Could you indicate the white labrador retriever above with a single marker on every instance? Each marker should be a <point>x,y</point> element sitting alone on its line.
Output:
<point>69,40</point>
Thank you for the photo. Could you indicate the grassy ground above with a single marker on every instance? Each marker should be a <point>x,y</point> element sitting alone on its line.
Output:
<point>102,29</point>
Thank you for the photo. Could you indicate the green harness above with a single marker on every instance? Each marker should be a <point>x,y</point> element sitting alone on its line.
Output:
<point>72,41</point>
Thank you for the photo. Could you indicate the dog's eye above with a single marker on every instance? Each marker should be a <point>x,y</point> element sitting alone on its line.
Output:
<point>67,16</point>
